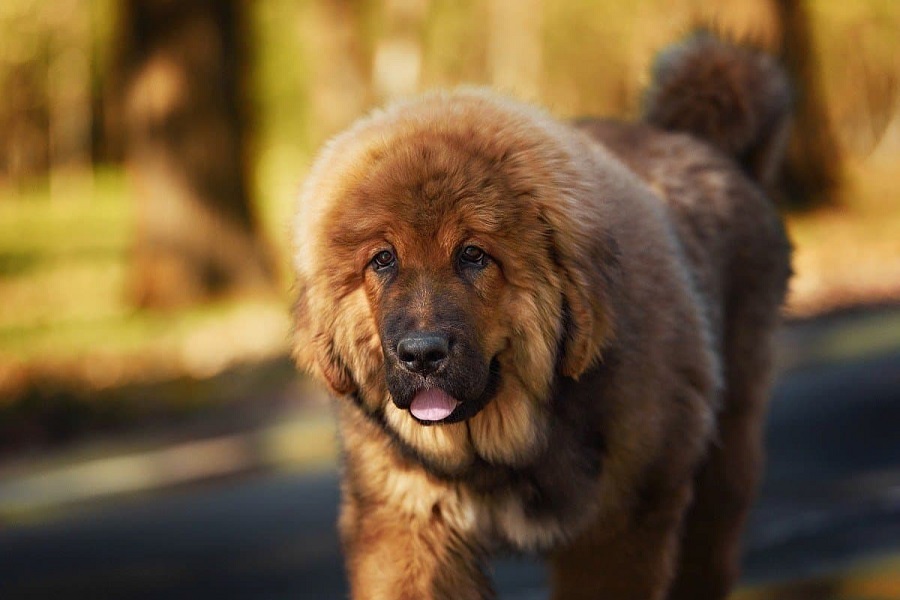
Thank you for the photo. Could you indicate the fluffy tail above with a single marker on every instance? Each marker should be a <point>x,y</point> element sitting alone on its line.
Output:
<point>733,97</point>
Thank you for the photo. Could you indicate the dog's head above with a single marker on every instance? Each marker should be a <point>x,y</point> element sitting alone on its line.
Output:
<point>447,272</point>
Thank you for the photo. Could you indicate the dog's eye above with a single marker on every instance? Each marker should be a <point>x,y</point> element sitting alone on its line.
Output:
<point>383,260</point>
<point>473,255</point>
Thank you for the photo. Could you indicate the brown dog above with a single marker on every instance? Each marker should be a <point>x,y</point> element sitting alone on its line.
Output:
<point>548,337</point>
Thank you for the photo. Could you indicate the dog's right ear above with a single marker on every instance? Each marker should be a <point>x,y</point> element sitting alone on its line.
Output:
<point>313,348</point>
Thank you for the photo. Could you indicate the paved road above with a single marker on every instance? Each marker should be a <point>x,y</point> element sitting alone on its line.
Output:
<point>832,495</point>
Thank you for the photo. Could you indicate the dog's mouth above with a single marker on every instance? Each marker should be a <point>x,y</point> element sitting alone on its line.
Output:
<point>433,405</point>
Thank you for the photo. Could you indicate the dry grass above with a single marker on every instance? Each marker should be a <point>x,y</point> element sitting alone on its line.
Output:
<point>849,254</point>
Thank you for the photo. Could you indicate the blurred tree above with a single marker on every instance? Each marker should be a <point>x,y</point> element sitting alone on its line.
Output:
<point>27,45</point>
<point>69,93</point>
<point>515,47</point>
<point>182,83</point>
<point>340,89</point>
<point>397,65</point>
<point>813,172</point>
<point>52,113</point>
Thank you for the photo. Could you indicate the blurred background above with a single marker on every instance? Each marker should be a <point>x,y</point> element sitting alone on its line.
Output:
<point>150,151</point>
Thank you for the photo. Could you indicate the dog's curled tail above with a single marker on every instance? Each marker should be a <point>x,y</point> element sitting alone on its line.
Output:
<point>733,97</point>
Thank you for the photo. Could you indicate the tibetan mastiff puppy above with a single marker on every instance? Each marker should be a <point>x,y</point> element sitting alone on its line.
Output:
<point>550,337</point>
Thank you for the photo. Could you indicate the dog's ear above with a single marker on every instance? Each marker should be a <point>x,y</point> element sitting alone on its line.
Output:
<point>588,267</point>
<point>313,349</point>
<point>588,319</point>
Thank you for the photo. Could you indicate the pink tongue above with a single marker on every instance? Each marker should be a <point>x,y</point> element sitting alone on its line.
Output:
<point>432,405</point>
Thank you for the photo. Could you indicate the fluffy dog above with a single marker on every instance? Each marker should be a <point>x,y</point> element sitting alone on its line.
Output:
<point>549,337</point>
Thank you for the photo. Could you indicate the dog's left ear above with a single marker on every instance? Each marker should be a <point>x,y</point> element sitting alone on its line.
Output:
<point>589,319</point>
<point>589,267</point>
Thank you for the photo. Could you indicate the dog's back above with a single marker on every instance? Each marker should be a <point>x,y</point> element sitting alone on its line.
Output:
<point>710,143</point>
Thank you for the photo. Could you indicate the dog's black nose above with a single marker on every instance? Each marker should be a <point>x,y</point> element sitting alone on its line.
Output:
<point>423,352</point>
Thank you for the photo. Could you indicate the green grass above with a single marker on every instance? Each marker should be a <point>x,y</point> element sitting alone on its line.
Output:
<point>62,263</point>
<point>64,269</point>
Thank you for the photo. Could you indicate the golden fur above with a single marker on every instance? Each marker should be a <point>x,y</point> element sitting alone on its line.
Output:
<point>609,347</point>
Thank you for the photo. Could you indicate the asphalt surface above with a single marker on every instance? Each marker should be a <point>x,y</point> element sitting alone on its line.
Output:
<point>831,497</point>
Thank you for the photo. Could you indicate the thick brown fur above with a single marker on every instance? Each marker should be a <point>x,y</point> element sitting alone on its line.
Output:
<point>608,339</point>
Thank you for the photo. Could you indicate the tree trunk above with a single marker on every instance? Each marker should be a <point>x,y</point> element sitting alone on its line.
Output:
<point>813,172</point>
<point>185,126</point>
<point>69,97</point>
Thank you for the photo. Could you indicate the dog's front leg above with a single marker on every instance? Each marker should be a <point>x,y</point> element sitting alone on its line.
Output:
<point>634,562</point>
<point>393,554</point>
